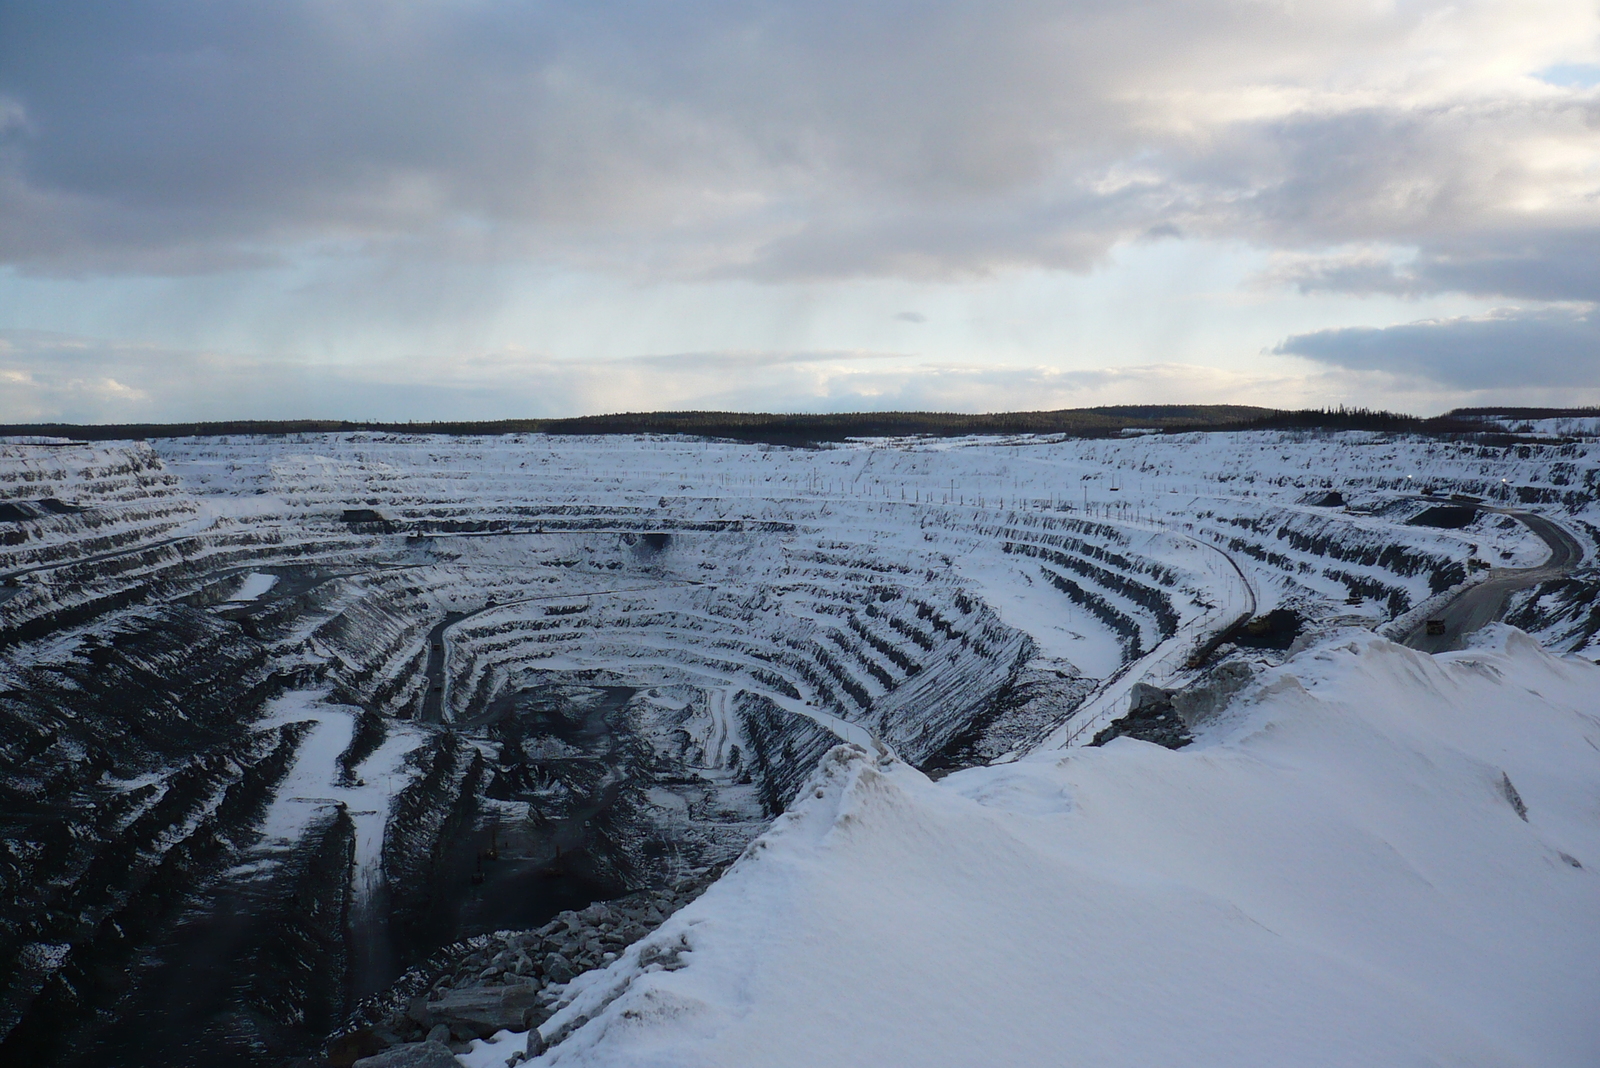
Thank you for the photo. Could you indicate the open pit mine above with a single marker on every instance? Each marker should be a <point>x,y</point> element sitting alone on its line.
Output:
<point>313,746</point>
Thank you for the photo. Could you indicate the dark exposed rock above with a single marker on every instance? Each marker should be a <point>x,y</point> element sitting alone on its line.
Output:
<point>1565,612</point>
<point>294,976</point>
<point>1040,697</point>
<point>1275,630</point>
<point>533,965</point>
<point>1513,798</point>
<point>127,881</point>
<point>22,511</point>
<point>1205,698</point>
<point>1447,516</point>
<point>783,749</point>
<point>481,1011</point>
<point>371,729</point>
<point>417,1055</point>
<point>352,1046</point>
<point>424,818</point>
<point>1151,718</point>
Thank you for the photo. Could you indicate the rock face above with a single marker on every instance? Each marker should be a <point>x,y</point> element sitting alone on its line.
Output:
<point>425,817</point>
<point>1151,718</point>
<point>1041,696</point>
<point>120,792</point>
<point>1166,717</point>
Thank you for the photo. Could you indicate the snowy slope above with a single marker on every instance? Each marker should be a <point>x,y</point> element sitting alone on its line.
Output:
<point>1338,874</point>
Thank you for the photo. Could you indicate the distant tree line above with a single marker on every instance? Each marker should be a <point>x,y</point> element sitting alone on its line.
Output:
<point>793,429</point>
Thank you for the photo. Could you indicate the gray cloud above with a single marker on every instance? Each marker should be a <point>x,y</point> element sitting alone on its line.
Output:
<point>784,140</point>
<point>1362,272</point>
<point>1539,264</point>
<point>1507,350</point>
<point>200,135</point>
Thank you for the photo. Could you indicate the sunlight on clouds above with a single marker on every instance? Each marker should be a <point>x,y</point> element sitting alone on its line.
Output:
<point>75,380</point>
<point>329,189</point>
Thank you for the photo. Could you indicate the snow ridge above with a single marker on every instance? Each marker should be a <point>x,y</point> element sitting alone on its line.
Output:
<point>1334,876</point>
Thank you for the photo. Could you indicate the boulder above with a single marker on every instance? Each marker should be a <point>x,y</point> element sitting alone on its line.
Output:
<point>483,1010</point>
<point>416,1055</point>
<point>1205,699</point>
<point>1150,718</point>
<point>351,1047</point>
<point>1147,699</point>
<point>557,969</point>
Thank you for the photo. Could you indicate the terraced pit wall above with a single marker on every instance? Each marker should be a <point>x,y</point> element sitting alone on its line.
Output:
<point>569,668</point>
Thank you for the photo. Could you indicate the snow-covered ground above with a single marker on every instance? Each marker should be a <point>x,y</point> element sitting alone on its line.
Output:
<point>1100,552</point>
<point>972,513</point>
<point>1248,494</point>
<point>316,783</point>
<point>1567,426</point>
<point>254,585</point>
<point>1377,857</point>
<point>1338,872</point>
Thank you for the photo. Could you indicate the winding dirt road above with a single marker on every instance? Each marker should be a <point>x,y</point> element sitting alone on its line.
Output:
<point>1482,604</point>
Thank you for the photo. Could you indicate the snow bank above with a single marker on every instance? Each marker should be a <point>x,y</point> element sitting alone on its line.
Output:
<point>254,586</point>
<point>1379,857</point>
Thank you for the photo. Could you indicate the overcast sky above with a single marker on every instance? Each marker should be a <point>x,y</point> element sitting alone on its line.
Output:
<point>491,208</point>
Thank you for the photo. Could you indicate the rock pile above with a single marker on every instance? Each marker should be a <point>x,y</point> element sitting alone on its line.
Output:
<point>1150,718</point>
<point>509,980</point>
<point>1166,717</point>
<point>1210,695</point>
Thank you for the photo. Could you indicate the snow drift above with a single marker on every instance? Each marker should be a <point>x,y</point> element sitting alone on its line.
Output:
<point>1375,856</point>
